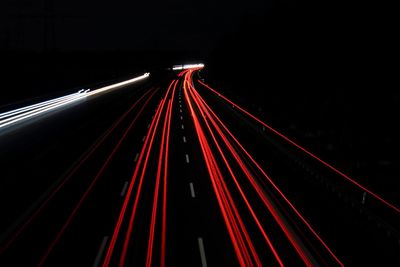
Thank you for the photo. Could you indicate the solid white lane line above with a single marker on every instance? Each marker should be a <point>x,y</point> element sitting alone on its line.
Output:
<point>136,157</point>
<point>124,188</point>
<point>187,158</point>
<point>202,252</point>
<point>100,253</point>
<point>192,190</point>
<point>184,139</point>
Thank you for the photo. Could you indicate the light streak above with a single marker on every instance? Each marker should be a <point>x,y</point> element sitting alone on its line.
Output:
<point>143,158</point>
<point>120,84</point>
<point>209,115</point>
<point>34,106</point>
<point>289,234</point>
<point>149,257</point>
<point>164,207</point>
<point>91,185</point>
<point>188,66</point>
<point>245,251</point>
<point>128,234</point>
<point>40,110</point>
<point>274,186</point>
<point>376,196</point>
<point>92,150</point>
<point>201,105</point>
<point>24,113</point>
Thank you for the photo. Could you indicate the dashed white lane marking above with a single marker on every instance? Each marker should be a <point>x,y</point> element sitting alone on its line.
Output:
<point>182,126</point>
<point>192,190</point>
<point>181,118</point>
<point>180,110</point>
<point>202,252</point>
<point>184,139</point>
<point>124,188</point>
<point>100,253</point>
<point>144,138</point>
<point>136,157</point>
<point>187,158</point>
<point>148,126</point>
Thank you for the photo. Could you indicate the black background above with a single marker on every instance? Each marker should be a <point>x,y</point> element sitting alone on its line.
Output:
<point>324,72</point>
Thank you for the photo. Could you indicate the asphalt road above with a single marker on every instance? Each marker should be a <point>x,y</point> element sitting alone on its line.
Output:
<point>166,172</point>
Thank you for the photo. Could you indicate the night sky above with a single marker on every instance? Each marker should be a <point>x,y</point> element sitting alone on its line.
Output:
<point>316,62</point>
<point>125,25</point>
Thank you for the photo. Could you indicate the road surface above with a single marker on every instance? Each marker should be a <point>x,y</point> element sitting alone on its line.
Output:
<point>167,171</point>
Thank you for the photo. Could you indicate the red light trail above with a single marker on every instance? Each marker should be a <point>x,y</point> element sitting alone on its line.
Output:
<point>92,184</point>
<point>256,218</point>
<point>304,150</point>
<point>235,236</point>
<point>75,169</point>
<point>261,194</point>
<point>147,146</point>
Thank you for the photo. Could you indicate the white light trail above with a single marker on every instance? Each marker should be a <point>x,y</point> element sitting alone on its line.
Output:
<point>29,114</point>
<point>109,87</point>
<point>188,66</point>
<point>16,115</point>
<point>27,108</point>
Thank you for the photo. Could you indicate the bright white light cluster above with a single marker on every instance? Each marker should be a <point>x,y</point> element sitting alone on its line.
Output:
<point>19,114</point>
<point>188,66</point>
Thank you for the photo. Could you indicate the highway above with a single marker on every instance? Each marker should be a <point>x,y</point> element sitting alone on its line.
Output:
<point>167,171</point>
